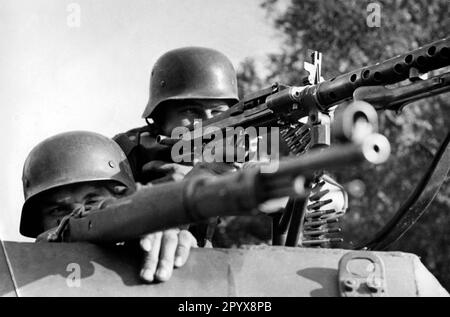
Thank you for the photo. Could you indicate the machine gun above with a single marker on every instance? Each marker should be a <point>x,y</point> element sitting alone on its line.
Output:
<point>283,106</point>
<point>172,204</point>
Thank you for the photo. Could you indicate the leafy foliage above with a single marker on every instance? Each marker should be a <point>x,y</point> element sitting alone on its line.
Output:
<point>248,80</point>
<point>338,28</point>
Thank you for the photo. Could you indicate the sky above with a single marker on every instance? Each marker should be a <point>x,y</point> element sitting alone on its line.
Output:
<point>85,65</point>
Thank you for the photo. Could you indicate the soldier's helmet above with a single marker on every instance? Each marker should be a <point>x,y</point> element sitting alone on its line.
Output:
<point>69,158</point>
<point>191,73</point>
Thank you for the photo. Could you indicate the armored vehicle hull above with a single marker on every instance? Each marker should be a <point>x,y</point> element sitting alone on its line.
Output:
<point>83,269</point>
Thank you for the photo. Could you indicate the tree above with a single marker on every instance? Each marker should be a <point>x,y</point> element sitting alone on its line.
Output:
<point>248,79</point>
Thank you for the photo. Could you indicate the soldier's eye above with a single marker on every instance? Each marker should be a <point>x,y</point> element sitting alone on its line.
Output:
<point>59,211</point>
<point>93,200</point>
<point>218,110</point>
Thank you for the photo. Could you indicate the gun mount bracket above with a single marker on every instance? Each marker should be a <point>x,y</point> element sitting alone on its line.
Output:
<point>361,274</point>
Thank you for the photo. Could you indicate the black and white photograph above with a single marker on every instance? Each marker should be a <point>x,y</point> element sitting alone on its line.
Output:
<point>224,154</point>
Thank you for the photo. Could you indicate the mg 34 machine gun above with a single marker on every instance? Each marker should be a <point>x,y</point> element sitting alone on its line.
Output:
<point>283,106</point>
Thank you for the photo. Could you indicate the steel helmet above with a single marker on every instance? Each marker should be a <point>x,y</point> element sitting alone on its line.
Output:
<point>68,158</point>
<point>191,73</point>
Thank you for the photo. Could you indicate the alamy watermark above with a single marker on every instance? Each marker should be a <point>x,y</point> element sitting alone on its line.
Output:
<point>373,19</point>
<point>74,15</point>
<point>238,145</point>
<point>74,277</point>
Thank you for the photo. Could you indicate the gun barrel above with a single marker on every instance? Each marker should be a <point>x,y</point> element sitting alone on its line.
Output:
<point>374,149</point>
<point>173,204</point>
<point>424,59</point>
<point>382,97</point>
<point>286,104</point>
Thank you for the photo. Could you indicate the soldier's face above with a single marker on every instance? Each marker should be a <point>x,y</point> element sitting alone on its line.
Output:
<point>61,201</point>
<point>185,113</point>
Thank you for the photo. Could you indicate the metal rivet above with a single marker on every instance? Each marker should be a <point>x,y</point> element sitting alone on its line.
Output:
<point>163,83</point>
<point>111,164</point>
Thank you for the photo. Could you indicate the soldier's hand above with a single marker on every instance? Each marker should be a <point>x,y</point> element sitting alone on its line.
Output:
<point>165,172</point>
<point>164,251</point>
